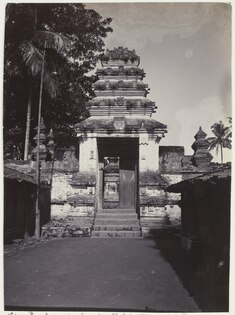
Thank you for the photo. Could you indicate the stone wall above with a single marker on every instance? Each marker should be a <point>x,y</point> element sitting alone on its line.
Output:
<point>72,199</point>
<point>158,208</point>
<point>170,158</point>
<point>72,206</point>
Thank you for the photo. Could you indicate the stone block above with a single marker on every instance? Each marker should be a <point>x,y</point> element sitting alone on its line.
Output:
<point>54,233</point>
<point>120,233</point>
<point>170,158</point>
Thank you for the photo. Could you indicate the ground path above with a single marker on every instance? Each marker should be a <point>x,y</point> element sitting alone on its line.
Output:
<point>86,273</point>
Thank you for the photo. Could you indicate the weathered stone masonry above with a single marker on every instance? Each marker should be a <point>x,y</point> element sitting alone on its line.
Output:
<point>117,186</point>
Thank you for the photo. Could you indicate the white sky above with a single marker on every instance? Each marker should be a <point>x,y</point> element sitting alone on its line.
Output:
<point>185,50</point>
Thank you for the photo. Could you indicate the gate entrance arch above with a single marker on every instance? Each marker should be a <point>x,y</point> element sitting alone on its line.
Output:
<point>118,168</point>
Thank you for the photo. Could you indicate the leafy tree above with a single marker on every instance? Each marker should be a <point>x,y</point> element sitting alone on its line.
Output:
<point>221,139</point>
<point>86,29</point>
<point>229,134</point>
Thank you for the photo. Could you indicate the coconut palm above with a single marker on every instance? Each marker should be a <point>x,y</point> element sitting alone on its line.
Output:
<point>221,139</point>
<point>34,59</point>
<point>229,135</point>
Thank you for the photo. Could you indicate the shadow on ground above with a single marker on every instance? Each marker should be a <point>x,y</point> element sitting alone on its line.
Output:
<point>209,287</point>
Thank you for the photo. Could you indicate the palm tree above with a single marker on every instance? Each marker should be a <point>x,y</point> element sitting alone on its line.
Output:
<point>221,139</point>
<point>35,59</point>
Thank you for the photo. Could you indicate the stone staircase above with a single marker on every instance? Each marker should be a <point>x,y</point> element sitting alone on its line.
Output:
<point>116,223</point>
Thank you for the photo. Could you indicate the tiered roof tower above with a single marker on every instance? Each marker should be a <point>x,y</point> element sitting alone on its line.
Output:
<point>120,91</point>
<point>120,126</point>
<point>121,107</point>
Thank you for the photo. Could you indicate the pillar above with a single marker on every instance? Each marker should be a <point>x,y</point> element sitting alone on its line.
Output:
<point>88,154</point>
<point>148,154</point>
<point>152,156</point>
<point>143,146</point>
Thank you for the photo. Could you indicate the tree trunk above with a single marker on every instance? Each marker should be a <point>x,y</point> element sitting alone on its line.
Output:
<point>28,121</point>
<point>29,108</point>
<point>221,152</point>
<point>37,214</point>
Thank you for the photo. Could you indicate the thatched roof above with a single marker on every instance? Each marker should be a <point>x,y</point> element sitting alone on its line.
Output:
<point>214,178</point>
<point>13,174</point>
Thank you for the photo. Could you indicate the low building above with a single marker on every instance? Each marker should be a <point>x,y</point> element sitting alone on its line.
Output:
<point>19,204</point>
<point>205,206</point>
<point>20,191</point>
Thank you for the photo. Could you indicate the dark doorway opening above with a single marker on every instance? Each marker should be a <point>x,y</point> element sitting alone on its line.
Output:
<point>118,173</point>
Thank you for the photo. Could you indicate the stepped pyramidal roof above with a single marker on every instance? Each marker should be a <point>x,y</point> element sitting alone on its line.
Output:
<point>120,94</point>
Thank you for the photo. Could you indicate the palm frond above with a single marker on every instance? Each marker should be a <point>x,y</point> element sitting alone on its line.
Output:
<point>225,131</point>
<point>214,144</point>
<point>211,139</point>
<point>50,40</point>
<point>227,143</point>
<point>217,129</point>
<point>50,84</point>
<point>32,57</point>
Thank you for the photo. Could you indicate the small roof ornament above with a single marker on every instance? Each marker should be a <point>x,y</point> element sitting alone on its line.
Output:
<point>201,157</point>
<point>200,134</point>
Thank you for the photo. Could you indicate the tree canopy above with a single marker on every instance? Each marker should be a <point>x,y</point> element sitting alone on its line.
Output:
<point>69,80</point>
<point>222,137</point>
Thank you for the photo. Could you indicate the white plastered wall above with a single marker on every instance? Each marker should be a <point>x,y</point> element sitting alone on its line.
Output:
<point>88,154</point>
<point>148,154</point>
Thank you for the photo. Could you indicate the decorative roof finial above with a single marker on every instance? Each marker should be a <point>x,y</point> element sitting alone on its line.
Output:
<point>201,156</point>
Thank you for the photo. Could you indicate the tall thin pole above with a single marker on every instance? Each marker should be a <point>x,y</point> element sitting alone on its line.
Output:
<point>27,132</point>
<point>37,214</point>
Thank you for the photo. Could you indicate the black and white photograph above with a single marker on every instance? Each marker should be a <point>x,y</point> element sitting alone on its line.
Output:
<point>117,153</point>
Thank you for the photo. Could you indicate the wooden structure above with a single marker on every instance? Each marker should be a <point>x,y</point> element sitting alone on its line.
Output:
<point>19,204</point>
<point>205,204</point>
<point>20,198</point>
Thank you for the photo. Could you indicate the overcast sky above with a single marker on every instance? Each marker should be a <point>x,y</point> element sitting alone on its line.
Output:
<point>184,49</point>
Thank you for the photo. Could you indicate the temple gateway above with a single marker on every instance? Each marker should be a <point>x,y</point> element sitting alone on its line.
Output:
<point>115,186</point>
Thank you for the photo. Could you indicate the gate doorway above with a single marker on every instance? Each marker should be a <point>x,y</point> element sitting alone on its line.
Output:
<point>118,173</point>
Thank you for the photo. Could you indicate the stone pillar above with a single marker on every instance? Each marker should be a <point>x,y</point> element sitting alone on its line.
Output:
<point>152,156</point>
<point>88,154</point>
<point>148,154</point>
<point>143,148</point>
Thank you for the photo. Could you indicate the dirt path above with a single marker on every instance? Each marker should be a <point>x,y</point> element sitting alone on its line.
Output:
<point>88,274</point>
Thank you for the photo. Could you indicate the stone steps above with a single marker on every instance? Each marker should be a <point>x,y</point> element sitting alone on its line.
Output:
<point>116,216</point>
<point>116,223</point>
<point>116,227</point>
<point>119,211</point>
<point>125,234</point>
